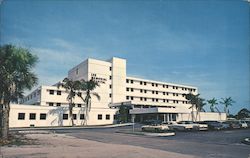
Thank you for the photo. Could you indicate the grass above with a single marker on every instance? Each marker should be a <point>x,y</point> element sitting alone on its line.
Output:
<point>17,139</point>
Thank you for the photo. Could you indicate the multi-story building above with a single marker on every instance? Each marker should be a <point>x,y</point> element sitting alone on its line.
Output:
<point>148,99</point>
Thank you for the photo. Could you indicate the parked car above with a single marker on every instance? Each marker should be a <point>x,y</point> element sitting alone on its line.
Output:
<point>213,125</point>
<point>152,122</point>
<point>225,125</point>
<point>234,124</point>
<point>155,128</point>
<point>181,126</point>
<point>200,126</point>
<point>243,124</point>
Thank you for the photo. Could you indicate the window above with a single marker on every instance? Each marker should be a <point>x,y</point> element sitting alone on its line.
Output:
<point>42,116</point>
<point>145,99</point>
<point>173,87</point>
<point>153,84</point>
<point>194,90</point>
<point>65,116</point>
<point>140,82</point>
<point>110,86</point>
<point>145,83</point>
<point>81,116</point>
<point>167,100</point>
<point>156,85</point>
<point>127,89</point>
<point>156,92</point>
<point>51,92</point>
<point>110,95</point>
<point>99,116</point>
<point>127,80</point>
<point>73,104</point>
<point>127,97</point>
<point>58,92</point>
<point>79,105</point>
<point>132,98</point>
<point>141,98</point>
<point>58,104</point>
<point>131,81</point>
<point>50,104</point>
<point>177,94</point>
<point>107,117</point>
<point>141,90</point>
<point>132,89</point>
<point>74,116</point>
<point>164,100</point>
<point>32,116</point>
<point>166,86</point>
<point>164,93</point>
<point>153,99</point>
<point>163,86</point>
<point>167,93</point>
<point>145,91</point>
<point>156,100</point>
<point>153,92</point>
<point>110,68</point>
<point>21,116</point>
<point>110,77</point>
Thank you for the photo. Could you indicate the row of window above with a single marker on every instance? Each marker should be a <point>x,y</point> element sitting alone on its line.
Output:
<point>163,85</point>
<point>59,104</point>
<point>32,95</point>
<point>156,100</point>
<point>155,92</point>
<point>32,116</point>
<point>51,92</point>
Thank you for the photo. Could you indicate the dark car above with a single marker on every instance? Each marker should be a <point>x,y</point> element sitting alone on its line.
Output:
<point>234,124</point>
<point>213,125</point>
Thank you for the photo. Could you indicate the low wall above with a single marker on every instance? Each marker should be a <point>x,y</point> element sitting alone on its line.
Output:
<point>203,116</point>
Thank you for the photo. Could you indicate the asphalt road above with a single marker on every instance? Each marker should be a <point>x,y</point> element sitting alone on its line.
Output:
<point>207,144</point>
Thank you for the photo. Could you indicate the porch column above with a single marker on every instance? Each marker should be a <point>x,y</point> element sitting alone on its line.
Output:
<point>171,118</point>
<point>164,117</point>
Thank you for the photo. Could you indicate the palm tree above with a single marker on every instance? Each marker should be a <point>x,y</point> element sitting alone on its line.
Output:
<point>88,87</point>
<point>227,102</point>
<point>212,103</point>
<point>197,103</point>
<point>16,75</point>
<point>72,88</point>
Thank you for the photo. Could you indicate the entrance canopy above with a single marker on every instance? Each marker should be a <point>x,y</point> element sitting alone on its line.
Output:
<point>157,110</point>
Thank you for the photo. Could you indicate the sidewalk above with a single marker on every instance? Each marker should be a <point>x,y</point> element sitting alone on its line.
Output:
<point>69,127</point>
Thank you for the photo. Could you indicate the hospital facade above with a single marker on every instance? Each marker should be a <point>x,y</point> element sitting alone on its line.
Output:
<point>147,99</point>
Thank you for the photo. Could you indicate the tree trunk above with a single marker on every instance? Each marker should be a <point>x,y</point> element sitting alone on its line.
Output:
<point>71,112</point>
<point>5,121</point>
<point>86,111</point>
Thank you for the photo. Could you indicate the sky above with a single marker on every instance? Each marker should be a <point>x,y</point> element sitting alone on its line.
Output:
<point>199,43</point>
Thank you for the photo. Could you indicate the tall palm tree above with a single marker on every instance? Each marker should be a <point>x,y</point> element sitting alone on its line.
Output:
<point>212,103</point>
<point>196,102</point>
<point>88,87</point>
<point>227,102</point>
<point>72,88</point>
<point>16,75</point>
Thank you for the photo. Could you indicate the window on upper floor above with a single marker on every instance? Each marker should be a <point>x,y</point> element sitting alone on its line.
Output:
<point>127,80</point>
<point>107,117</point>
<point>163,86</point>
<point>163,93</point>
<point>110,86</point>
<point>156,92</point>
<point>127,97</point>
<point>153,99</point>
<point>132,89</point>
<point>156,85</point>
<point>153,84</point>
<point>79,105</point>
<point>110,68</point>
<point>110,77</point>
<point>132,98</point>
<point>58,104</point>
<point>51,92</point>
<point>141,90</point>
<point>145,83</point>
<point>51,104</point>
<point>127,89</point>
<point>110,95</point>
<point>141,99</point>
<point>145,99</point>
<point>177,94</point>
<point>131,81</point>
<point>153,92</point>
<point>140,82</point>
<point>58,92</point>
<point>156,100</point>
<point>145,91</point>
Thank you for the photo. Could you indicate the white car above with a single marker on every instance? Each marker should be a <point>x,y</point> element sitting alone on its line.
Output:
<point>200,126</point>
<point>180,126</point>
<point>243,124</point>
<point>155,128</point>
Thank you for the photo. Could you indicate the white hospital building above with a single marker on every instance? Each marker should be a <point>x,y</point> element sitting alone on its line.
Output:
<point>148,99</point>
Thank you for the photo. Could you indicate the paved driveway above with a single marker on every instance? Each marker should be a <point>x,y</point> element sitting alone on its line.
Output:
<point>226,144</point>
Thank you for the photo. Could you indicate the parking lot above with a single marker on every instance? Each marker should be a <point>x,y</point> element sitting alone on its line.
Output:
<point>226,143</point>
